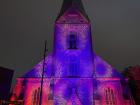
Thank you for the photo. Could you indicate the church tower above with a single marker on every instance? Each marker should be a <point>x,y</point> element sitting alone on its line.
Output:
<point>72,41</point>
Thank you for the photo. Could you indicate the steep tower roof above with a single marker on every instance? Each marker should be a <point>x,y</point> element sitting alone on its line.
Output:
<point>72,6</point>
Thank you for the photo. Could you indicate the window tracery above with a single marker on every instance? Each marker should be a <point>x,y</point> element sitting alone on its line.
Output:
<point>110,96</point>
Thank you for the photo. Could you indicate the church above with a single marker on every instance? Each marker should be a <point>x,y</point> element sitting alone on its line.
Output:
<point>73,74</point>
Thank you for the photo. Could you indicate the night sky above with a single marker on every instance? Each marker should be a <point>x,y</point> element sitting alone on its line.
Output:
<point>26,24</point>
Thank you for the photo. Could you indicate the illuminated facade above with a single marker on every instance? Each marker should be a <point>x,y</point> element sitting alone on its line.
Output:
<point>74,74</point>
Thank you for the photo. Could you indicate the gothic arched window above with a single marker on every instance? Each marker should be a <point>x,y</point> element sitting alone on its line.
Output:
<point>51,94</point>
<point>73,66</point>
<point>72,41</point>
<point>36,96</point>
<point>110,96</point>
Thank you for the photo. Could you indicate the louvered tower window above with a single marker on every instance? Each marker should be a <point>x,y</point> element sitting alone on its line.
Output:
<point>72,41</point>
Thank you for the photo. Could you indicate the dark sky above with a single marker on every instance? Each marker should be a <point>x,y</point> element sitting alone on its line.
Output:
<point>25,24</point>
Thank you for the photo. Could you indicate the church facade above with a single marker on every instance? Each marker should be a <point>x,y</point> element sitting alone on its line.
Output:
<point>73,73</point>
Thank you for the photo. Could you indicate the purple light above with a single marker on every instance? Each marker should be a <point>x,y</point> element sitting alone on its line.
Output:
<point>74,74</point>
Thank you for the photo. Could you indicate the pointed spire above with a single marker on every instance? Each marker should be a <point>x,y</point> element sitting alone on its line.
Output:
<point>73,4</point>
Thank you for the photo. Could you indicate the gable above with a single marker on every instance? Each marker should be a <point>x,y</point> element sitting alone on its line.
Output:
<point>72,16</point>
